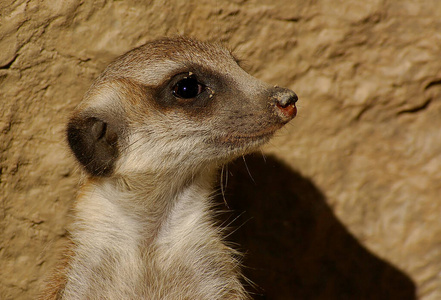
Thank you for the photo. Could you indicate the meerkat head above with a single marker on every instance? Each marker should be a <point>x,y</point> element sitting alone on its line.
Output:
<point>174,102</point>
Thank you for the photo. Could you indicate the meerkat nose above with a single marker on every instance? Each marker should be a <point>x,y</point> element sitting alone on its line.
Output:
<point>285,101</point>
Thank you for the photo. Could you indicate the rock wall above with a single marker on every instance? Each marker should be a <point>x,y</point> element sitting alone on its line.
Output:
<point>352,187</point>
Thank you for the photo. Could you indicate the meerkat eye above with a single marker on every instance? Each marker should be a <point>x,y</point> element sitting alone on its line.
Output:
<point>188,88</point>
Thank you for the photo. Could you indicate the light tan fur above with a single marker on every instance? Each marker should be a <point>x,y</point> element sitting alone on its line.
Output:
<point>143,224</point>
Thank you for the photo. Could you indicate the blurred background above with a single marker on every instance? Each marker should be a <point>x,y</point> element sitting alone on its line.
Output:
<point>344,203</point>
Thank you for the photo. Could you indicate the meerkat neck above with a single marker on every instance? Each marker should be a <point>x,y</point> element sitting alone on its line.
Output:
<point>127,234</point>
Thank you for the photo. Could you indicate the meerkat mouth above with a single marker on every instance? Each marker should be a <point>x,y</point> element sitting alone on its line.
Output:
<point>250,138</point>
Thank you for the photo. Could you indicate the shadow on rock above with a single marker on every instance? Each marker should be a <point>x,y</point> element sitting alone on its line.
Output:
<point>295,246</point>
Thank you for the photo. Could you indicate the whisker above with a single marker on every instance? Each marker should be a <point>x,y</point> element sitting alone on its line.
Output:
<point>248,170</point>
<point>240,226</point>
<point>222,186</point>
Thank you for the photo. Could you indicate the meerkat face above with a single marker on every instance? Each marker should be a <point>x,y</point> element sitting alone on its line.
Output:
<point>173,103</point>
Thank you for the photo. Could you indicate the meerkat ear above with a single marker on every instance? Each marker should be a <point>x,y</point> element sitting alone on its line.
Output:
<point>94,143</point>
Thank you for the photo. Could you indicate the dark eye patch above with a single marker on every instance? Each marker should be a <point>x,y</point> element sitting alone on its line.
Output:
<point>192,90</point>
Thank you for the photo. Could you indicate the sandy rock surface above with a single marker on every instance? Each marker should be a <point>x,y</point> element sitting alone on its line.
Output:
<point>348,202</point>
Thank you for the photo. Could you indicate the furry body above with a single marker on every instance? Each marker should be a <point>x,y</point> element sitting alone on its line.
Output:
<point>151,134</point>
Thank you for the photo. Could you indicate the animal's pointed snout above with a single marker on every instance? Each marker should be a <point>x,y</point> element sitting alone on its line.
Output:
<point>285,101</point>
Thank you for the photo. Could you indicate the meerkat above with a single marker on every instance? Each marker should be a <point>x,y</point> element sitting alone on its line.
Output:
<point>151,134</point>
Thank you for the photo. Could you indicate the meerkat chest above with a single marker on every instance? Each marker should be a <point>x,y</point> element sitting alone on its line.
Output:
<point>118,258</point>
<point>108,262</point>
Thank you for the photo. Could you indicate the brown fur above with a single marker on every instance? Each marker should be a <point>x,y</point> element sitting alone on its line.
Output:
<point>151,133</point>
